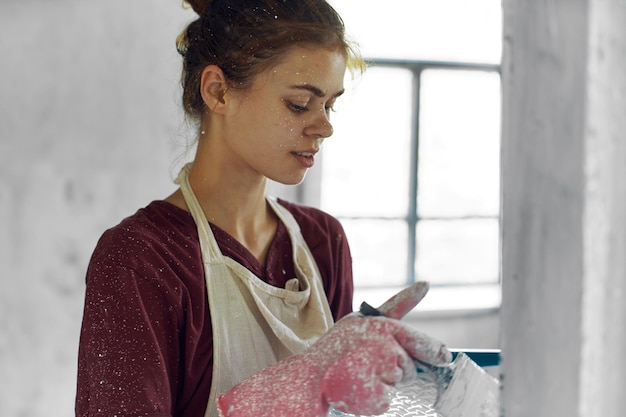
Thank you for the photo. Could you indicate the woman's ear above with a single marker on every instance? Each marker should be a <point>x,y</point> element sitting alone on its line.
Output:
<point>213,87</point>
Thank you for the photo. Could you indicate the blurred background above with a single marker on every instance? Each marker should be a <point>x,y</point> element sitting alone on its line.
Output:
<point>91,130</point>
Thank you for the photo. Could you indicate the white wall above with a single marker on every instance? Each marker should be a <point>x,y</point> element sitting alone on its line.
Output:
<point>89,129</point>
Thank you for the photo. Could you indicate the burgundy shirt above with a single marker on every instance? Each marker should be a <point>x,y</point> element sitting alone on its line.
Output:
<point>146,345</point>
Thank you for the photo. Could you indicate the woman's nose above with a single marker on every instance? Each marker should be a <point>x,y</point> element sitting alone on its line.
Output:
<point>319,126</point>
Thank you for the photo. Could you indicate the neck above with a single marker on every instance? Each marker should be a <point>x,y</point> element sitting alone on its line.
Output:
<point>227,201</point>
<point>234,202</point>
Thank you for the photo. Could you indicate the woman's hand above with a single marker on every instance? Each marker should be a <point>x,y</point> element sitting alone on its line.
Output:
<point>352,367</point>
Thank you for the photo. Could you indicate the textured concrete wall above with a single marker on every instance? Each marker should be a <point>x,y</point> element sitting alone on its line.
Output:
<point>89,129</point>
<point>604,301</point>
<point>563,208</point>
<point>543,121</point>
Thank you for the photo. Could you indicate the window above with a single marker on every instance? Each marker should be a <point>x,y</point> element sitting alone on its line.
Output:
<point>413,173</point>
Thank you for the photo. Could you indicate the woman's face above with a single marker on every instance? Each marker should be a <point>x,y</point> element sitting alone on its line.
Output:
<point>276,127</point>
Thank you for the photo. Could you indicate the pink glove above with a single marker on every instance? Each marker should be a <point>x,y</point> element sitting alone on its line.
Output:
<point>352,367</point>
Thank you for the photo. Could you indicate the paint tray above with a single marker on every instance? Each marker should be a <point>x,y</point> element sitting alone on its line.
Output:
<point>472,392</point>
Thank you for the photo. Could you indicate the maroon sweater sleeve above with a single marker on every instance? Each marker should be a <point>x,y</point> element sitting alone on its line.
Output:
<point>143,348</point>
<point>146,338</point>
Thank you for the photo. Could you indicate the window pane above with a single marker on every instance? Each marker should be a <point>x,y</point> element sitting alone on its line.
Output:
<point>379,251</point>
<point>459,152</point>
<point>365,164</point>
<point>449,30</point>
<point>458,251</point>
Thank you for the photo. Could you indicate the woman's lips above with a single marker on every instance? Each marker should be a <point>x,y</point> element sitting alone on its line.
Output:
<point>307,159</point>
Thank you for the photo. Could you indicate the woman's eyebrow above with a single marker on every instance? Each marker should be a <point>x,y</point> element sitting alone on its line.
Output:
<point>315,90</point>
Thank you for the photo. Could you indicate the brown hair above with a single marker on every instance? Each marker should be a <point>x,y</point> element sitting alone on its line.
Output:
<point>244,37</point>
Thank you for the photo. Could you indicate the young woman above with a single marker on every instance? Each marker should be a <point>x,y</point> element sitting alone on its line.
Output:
<point>218,296</point>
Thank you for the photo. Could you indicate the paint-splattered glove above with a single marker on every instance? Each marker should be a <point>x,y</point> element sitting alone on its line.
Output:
<point>352,367</point>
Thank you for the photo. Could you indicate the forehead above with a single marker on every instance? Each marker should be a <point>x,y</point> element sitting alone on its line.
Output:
<point>324,68</point>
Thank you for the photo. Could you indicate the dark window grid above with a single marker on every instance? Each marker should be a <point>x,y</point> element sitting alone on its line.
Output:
<point>412,219</point>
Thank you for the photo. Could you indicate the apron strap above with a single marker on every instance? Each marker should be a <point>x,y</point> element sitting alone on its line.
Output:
<point>210,251</point>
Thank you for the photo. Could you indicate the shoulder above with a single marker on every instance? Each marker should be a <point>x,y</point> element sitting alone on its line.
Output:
<point>320,230</point>
<point>312,219</point>
<point>157,233</point>
<point>148,265</point>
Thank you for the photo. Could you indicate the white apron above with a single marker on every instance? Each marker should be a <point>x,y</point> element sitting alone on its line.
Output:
<point>256,324</point>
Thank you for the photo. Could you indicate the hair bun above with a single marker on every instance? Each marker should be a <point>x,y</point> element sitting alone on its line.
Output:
<point>198,6</point>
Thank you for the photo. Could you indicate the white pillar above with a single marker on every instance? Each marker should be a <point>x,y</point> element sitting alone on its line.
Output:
<point>564,208</point>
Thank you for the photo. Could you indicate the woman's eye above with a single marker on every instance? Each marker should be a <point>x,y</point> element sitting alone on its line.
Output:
<point>297,108</point>
<point>330,106</point>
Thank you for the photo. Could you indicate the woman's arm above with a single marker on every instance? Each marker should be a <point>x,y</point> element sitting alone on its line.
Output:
<point>129,345</point>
